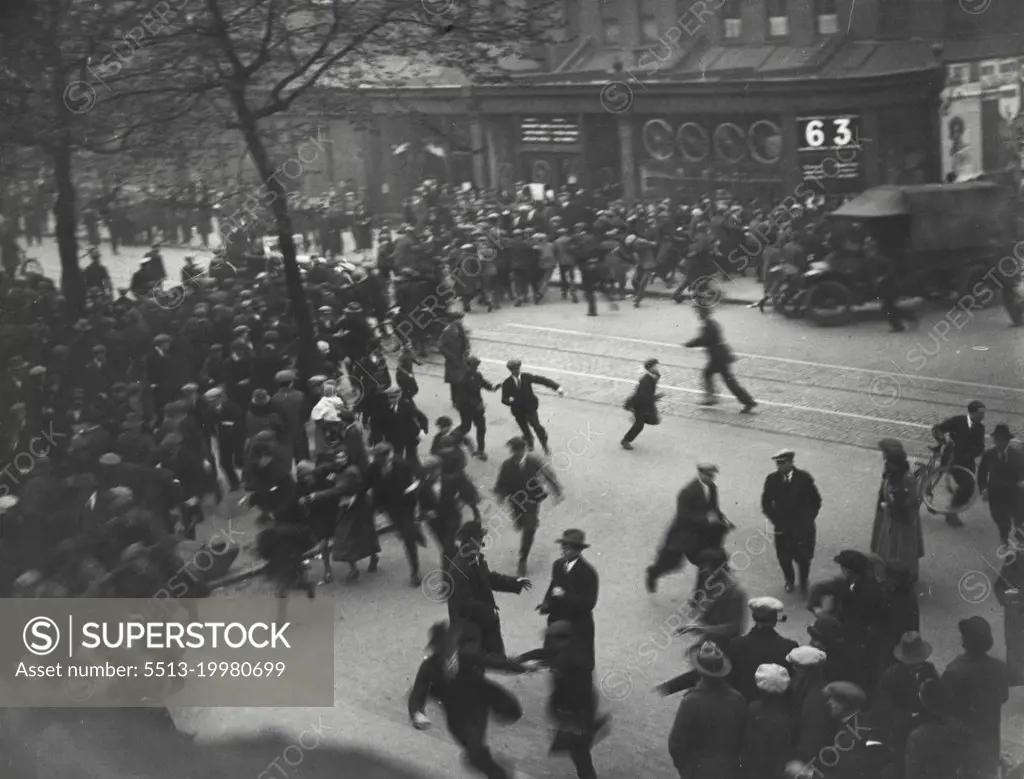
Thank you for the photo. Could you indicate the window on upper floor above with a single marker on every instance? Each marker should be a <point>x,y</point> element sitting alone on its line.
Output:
<point>611,22</point>
<point>732,19</point>
<point>649,26</point>
<point>778,18</point>
<point>893,18</point>
<point>828,19</point>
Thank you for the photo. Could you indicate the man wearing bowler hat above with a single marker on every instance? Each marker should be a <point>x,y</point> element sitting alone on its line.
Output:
<point>791,501</point>
<point>707,735</point>
<point>572,594</point>
<point>1000,477</point>
<point>699,524</point>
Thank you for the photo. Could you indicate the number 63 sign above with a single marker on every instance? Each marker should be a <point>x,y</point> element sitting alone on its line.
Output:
<point>824,133</point>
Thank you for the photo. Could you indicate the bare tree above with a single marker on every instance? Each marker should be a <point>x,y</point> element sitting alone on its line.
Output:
<point>265,60</point>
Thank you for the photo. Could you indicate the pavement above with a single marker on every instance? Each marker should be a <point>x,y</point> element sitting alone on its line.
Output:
<point>828,393</point>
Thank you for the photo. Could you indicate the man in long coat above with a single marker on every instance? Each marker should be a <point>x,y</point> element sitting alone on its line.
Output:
<point>791,502</point>
<point>707,736</point>
<point>572,594</point>
<point>472,586</point>
<point>699,524</point>
<point>454,346</point>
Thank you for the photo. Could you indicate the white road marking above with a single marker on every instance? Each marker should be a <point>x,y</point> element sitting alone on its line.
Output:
<point>690,391</point>
<point>789,360</point>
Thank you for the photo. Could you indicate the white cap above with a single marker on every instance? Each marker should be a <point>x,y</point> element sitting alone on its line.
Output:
<point>806,657</point>
<point>766,604</point>
<point>784,454</point>
<point>772,678</point>
<point>7,502</point>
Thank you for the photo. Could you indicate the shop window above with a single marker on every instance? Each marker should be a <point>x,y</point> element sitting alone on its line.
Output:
<point>828,19</point>
<point>893,18</point>
<point>611,22</point>
<point>732,14</point>
<point>649,27</point>
<point>778,19</point>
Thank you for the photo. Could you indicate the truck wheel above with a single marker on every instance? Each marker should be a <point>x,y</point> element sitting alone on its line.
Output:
<point>829,304</point>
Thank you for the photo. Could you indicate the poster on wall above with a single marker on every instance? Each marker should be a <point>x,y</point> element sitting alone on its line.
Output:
<point>961,137</point>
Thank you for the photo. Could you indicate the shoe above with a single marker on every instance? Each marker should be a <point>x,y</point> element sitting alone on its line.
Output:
<point>353,575</point>
<point>953,520</point>
<point>747,408</point>
<point>708,402</point>
<point>591,313</point>
<point>415,580</point>
<point>482,456</point>
<point>575,299</point>
<point>521,568</point>
<point>789,587</point>
<point>546,450</point>
<point>328,577</point>
<point>626,445</point>
<point>636,304</point>
<point>374,562</point>
<point>651,581</point>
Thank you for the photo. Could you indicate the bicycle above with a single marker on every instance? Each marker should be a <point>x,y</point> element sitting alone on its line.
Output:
<point>938,481</point>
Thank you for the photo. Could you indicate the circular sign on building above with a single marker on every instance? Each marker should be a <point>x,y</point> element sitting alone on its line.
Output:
<point>693,142</point>
<point>658,141</point>
<point>730,142</point>
<point>764,140</point>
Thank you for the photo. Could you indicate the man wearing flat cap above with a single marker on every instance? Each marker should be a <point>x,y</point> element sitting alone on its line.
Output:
<point>225,423</point>
<point>815,728</point>
<point>699,524</point>
<point>453,344</point>
<point>762,645</point>
<point>791,501</point>
<point>1001,481</point>
<point>399,422</point>
<point>517,393</point>
<point>523,480</point>
<point>293,405</point>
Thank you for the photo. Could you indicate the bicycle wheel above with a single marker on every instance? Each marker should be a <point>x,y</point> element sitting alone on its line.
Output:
<point>939,487</point>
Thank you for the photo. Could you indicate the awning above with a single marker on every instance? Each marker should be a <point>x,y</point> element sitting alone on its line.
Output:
<point>876,202</point>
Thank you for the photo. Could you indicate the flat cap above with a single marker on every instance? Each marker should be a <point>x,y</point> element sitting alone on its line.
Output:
<point>975,405</point>
<point>7,502</point>
<point>511,364</point>
<point>707,468</point>
<point>383,448</point>
<point>784,454</point>
<point>213,393</point>
<point>284,377</point>
<point>806,657</point>
<point>853,560</point>
<point>847,693</point>
<point>110,459</point>
<point>40,370</point>
<point>317,380</point>
<point>765,607</point>
<point>771,678</point>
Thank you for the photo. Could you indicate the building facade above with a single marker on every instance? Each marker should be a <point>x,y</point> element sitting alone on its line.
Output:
<point>673,99</point>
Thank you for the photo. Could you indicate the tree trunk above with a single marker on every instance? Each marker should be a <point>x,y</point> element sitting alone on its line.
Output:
<point>67,230</point>
<point>283,221</point>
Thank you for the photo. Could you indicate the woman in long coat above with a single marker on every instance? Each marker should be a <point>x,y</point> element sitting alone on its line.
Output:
<point>355,537</point>
<point>896,535</point>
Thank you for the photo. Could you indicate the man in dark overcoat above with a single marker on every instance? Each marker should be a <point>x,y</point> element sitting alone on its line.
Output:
<point>720,360</point>
<point>472,586</point>
<point>761,646</point>
<point>1000,476</point>
<point>454,346</point>
<point>393,486</point>
<point>707,735</point>
<point>399,422</point>
<point>699,524</point>
<point>572,594</point>
<point>791,502</point>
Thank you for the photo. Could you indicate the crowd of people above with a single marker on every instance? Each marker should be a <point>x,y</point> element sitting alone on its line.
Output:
<point>121,423</point>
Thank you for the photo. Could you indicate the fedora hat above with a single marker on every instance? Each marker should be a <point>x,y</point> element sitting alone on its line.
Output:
<point>912,648</point>
<point>709,660</point>
<point>576,538</point>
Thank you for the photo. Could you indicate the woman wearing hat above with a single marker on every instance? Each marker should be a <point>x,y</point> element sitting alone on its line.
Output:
<point>896,701</point>
<point>769,735</point>
<point>896,535</point>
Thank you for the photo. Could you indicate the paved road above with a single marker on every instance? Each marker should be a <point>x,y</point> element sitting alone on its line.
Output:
<point>830,394</point>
